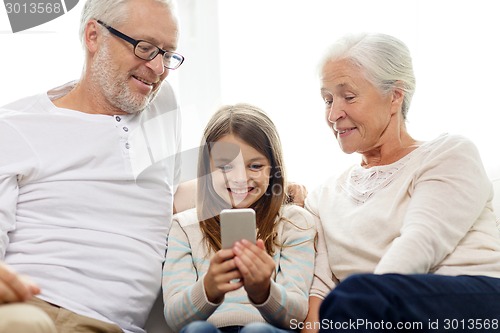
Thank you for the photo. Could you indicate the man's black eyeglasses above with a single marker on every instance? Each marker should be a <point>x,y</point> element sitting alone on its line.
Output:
<point>147,51</point>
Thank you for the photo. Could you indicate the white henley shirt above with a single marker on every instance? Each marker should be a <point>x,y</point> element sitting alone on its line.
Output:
<point>86,202</point>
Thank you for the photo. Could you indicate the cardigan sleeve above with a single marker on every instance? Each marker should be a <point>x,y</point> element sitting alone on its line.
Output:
<point>324,280</point>
<point>289,294</point>
<point>449,194</point>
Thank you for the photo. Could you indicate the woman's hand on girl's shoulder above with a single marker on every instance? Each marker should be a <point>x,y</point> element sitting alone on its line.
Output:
<point>296,194</point>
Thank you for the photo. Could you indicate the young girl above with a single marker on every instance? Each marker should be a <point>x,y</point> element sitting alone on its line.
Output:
<point>261,287</point>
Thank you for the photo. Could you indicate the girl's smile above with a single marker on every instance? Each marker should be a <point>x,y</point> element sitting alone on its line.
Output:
<point>240,174</point>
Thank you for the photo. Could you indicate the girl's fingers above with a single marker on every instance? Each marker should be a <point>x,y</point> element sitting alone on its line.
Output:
<point>260,244</point>
<point>250,253</point>
<point>222,255</point>
<point>245,259</point>
<point>222,262</point>
<point>217,280</point>
<point>254,263</point>
<point>232,286</point>
<point>232,275</point>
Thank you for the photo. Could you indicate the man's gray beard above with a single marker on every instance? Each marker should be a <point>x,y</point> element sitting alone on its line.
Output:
<point>123,101</point>
<point>114,90</point>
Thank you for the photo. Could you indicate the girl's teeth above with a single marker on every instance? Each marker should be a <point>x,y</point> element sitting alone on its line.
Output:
<point>239,192</point>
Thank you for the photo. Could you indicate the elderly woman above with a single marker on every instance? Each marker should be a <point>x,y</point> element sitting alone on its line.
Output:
<point>409,239</point>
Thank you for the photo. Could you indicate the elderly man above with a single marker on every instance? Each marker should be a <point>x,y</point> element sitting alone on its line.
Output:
<point>88,172</point>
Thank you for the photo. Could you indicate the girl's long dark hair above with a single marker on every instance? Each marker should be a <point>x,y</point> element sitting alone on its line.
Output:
<point>253,126</point>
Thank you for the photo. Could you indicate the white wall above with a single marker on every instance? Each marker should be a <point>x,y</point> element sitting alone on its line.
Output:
<point>265,52</point>
<point>456,60</point>
<point>39,58</point>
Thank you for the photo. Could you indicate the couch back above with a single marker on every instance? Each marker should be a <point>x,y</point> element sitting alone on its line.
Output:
<point>156,322</point>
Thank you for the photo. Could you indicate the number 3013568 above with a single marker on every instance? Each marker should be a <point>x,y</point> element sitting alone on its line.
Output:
<point>33,8</point>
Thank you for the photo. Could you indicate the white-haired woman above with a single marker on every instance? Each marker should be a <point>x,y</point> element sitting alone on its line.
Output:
<point>409,236</point>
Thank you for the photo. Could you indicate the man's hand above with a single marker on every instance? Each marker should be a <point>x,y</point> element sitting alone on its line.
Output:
<point>15,288</point>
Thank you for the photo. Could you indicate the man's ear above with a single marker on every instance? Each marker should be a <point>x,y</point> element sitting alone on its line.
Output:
<point>91,35</point>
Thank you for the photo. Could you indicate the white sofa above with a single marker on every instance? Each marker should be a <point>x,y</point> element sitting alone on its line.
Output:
<point>156,321</point>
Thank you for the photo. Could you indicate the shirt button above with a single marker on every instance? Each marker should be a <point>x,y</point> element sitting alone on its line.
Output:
<point>118,118</point>
<point>127,145</point>
<point>125,129</point>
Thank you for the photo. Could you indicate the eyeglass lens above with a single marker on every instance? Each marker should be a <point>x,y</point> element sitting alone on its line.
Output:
<point>148,51</point>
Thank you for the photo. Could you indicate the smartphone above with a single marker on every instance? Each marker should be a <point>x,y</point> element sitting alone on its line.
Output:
<point>237,224</point>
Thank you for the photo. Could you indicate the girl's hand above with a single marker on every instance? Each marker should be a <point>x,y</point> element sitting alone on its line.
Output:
<point>222,270</point>
<point>256,267</point>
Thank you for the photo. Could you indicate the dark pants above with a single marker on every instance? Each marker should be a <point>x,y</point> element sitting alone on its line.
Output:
<point>412,303</point>
<point>206,327</point>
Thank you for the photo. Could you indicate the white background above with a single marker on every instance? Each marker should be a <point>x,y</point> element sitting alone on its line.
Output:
<point>265,52</point>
